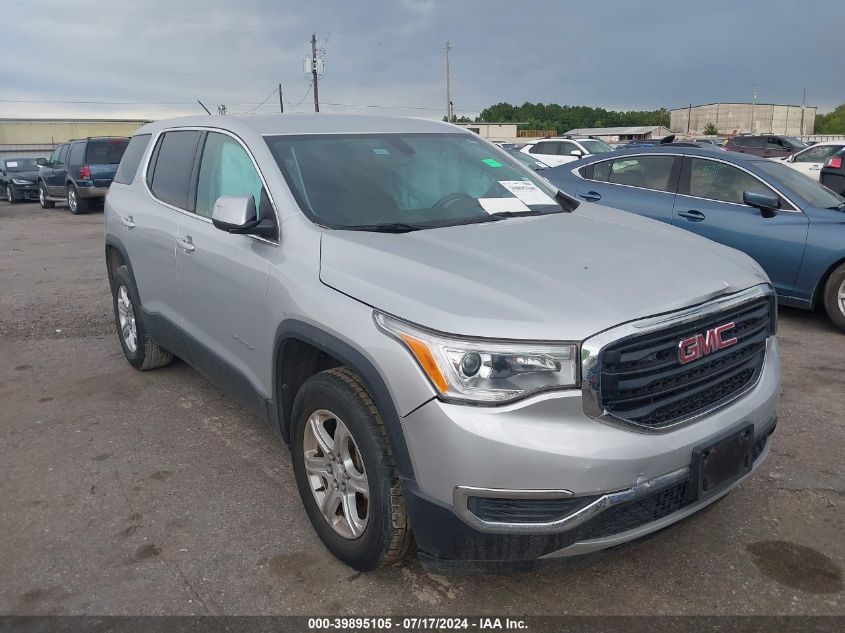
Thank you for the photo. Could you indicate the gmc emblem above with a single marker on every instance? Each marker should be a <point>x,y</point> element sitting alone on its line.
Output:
<point>695,347</point>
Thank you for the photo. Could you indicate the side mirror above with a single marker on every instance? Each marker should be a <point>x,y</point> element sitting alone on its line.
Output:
<point>576,152</point>
<point>43,162</point>
<point>767,203</point>
<point>236,214</point>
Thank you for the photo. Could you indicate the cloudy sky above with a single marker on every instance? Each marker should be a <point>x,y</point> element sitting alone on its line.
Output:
<point>155,58</point>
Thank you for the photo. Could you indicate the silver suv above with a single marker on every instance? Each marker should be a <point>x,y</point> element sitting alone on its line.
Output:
<point>459,355</point>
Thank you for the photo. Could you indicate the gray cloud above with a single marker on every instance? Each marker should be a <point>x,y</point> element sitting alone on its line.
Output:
<point>162,55</point>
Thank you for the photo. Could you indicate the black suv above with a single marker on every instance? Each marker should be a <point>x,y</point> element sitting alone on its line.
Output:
<point>80,172</point>
<point>17,179</point>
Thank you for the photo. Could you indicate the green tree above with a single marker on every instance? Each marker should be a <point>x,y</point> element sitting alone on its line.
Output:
<point>710,129</point>
<point>562,118</point>
<point>832,122</point>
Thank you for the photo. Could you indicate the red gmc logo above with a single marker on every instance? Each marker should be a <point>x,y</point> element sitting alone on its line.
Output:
<point>695,347</point>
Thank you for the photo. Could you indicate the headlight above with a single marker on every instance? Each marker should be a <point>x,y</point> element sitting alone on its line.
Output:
<point>18,181</point>
<point>476,370</point>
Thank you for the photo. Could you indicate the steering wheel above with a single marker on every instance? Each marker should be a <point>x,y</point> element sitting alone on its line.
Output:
<point>450,198</point>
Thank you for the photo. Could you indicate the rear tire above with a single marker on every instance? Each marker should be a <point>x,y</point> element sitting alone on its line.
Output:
<point>367,529</point>
<point>42,197</point>
<point>834,297</point>
<point>140,348</point>
<point>76,204</point>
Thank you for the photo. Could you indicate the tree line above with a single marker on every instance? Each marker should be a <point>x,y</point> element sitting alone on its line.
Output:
<point>562,118</point>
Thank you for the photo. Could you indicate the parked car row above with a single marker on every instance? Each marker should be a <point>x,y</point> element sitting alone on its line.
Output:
<point>78,173</point>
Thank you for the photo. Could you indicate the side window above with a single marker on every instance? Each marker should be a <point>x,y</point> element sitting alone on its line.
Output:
<point>173,165</point>
<point>566,148</point>
<point>77,154</point>
<point>773,142</point>
<point>54,157</point>
<point>817,154</point>
<point>543,147</point>
<point>131,159</point>
<point>720,181</point>
<point>756,141</point>
<point>62,156</point>
<point>646,172</point>
<point>226,170</point>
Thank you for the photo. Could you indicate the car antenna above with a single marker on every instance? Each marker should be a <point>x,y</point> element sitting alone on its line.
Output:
<point>203,107</point>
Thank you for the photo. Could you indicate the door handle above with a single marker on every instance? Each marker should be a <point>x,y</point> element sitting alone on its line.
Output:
<point>692,215</point>
<point>591,196</point>
<point>186,244</point>
<point>128,222</point>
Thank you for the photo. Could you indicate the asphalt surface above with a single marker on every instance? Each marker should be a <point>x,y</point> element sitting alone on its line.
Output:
<point>151,493</point>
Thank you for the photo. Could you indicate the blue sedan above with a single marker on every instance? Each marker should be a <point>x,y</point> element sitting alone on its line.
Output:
<point>793,226</point>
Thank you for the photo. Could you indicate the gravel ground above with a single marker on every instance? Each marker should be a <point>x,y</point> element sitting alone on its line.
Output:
<point>130,493</point>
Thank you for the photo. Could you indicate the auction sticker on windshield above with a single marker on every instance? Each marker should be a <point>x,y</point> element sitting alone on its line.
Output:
<point>527,191</point>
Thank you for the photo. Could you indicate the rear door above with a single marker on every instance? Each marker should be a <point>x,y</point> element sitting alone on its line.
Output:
<point>102,157</point>
<point>644,184</point>
<point>775,147</point>
<point>709,203</point>
<point>222,276</point>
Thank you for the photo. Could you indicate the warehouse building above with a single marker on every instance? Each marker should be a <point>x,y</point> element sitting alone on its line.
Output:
<point>745,118</point>
<point>36,138</point>
<point>618,134</point>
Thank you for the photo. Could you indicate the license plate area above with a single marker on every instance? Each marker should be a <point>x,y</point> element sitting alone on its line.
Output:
<point>717,465</point>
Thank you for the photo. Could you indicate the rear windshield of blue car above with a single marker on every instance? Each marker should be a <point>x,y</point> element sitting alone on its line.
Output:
<point>378,181</point>
<point>106,151</point>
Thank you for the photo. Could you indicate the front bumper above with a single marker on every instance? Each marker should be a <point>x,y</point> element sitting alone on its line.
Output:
<point>547,444</point>
<point>24,192</point>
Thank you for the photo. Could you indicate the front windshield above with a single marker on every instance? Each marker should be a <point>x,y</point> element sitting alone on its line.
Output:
<point>22,164</point>
<point>795,142</point>
<point>406,181</point>
<point>815,194</point>
<point>596,147</point>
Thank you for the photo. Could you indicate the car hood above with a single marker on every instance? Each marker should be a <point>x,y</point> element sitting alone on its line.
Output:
<point>32,176</point>
<point>555,277</point>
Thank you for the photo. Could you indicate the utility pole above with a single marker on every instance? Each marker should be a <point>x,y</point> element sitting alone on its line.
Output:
<point>314,71</point>
<point>281,104</point>
<point>753,107</point>
<point>689,118</point>
<point>448,85</point>
<point>803,101</point>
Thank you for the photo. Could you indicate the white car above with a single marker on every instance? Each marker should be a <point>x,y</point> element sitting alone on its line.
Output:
<point>565,149</point>
<point>811,160</point>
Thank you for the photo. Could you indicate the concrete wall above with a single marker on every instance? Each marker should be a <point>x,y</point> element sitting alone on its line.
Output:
<point>37,137</point>
<point>493,131</point>
<point>734,118</point>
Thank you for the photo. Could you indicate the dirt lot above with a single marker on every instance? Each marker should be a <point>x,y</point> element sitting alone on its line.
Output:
<point>130,493</point>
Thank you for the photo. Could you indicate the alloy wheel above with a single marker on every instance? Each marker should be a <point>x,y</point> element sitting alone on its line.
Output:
<point>841,297</point>
<point>9,194</point>
<point>126,318</point>
<point>71,199</point>
<point>42,197</point>
<point>336,474</point>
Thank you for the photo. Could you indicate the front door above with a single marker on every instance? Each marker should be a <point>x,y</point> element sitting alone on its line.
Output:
<point>55,173</point>
<point>222,276</point>
<point>709,203</point>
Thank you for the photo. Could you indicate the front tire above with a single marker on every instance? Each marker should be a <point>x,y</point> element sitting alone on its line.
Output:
<point>10,195</point>
<point>42,197</point>
<point>345,472</point>
<point>76,204</point>
<point>834,297</point>
<point>139,347</point>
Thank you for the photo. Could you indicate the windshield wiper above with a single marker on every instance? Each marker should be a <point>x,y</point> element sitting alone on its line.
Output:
<point>389,227</point>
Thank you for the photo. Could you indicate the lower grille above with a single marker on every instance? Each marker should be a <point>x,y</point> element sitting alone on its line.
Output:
<point>644,382</point>
<point>525,510</point>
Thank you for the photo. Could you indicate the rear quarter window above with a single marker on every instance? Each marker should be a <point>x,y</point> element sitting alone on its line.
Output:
<point>131,159</point>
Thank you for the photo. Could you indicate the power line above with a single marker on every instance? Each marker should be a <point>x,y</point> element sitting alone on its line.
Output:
<point>301,101</point>
<point>251,110</point>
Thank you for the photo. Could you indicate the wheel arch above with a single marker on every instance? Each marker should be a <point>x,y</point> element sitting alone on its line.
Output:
<point>116,256</point>
<point>818,292</point>
<point>291,336</point>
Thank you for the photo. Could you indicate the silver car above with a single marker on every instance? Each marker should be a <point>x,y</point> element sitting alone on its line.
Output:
<point>459,355</point>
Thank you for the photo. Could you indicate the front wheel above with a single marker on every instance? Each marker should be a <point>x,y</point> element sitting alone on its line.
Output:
<point>345,472</point>
<point>10,196</point>
<point>42,197</point>
<point>834,297</point>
